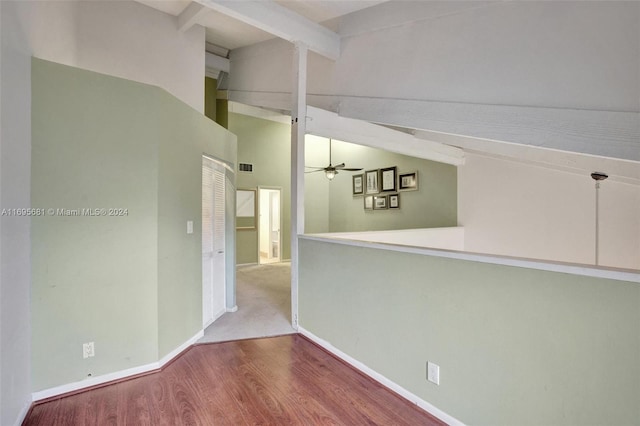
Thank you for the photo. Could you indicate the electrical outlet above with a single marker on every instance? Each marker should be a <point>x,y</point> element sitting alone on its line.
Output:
<point>88,350</point>
<point>433,373</point>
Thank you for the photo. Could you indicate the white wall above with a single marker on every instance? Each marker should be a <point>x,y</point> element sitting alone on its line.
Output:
<point>124,39</point>
<point>581,55</point>
<point>120,38</point>
<point>15,166</point>
<point>513,208</point>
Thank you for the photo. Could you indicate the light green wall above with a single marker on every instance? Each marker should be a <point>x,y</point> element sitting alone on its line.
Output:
<point>317,186</point>
<point>131,284</point>
<point>515,346</point>
<point>265,144</point>
<point>186,136</point>
<point>93,278</point>
<point>433,205</point>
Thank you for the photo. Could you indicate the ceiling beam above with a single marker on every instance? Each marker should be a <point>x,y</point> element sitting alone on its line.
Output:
<point>190,15</point>
<point>603,133</point>
<point>281,22</point>
<point>330,125</point>
<point>262,113</point>
<point>217,62</point>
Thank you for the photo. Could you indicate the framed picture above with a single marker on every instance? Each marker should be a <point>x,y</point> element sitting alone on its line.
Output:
<point>246,209</point>
<point>371,177</point>
<point>388,178</point>
<point>368,202</point>
<point>408,181</point>
<point>380,202</point>
<point>394,201</point>
<point>358,188</point>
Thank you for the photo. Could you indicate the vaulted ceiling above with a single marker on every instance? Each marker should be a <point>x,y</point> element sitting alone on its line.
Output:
<point>229,33</point>
<point>530,128</point>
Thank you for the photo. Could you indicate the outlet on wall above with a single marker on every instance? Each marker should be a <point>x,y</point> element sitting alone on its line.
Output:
<point>88,350</point>
<point>433,373</point>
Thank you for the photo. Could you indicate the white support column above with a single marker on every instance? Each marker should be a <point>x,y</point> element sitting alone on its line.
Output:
<point>298,129</point>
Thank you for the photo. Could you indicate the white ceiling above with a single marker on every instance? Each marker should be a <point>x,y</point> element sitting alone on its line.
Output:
<point>229,33</point>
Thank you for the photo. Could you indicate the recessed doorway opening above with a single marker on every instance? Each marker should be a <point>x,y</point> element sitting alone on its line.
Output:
<point>269,225</point>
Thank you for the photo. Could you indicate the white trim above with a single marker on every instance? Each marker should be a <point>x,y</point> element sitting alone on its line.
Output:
<point>233,309</point>
<point>450,420</point>
<point>22,414</point>
<point>216,316</point>
<point>177,351</point>
<point>109,377</point>
<point>565,268</point>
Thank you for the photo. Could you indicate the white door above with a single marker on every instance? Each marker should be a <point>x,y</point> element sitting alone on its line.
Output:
<point>269,225</point>
<point>213,241</point>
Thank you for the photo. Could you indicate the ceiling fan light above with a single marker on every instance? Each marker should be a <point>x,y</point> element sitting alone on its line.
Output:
<point>330,174</point>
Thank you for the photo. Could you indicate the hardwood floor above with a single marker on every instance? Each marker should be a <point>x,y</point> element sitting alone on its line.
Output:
<point>284,380</point>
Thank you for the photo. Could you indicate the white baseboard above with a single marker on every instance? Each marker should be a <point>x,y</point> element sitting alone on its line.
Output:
<point>450,420</point>
<point>105,378</point>
<point>233,309</point>
<point>22,414</point>
<point>177,351</point>
<point>216,316</point>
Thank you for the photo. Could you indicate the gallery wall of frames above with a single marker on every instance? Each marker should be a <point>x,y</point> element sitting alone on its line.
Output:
<point>381,188</point>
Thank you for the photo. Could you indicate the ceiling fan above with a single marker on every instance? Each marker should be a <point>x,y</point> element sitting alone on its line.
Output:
<point>331,171</point>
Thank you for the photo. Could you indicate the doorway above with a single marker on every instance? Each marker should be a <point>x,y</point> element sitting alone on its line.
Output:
<point>213,241</point>
<point>269,225</point>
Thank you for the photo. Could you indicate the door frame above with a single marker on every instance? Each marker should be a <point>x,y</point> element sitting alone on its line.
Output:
<point>230,235</point>
<point>272,188</point>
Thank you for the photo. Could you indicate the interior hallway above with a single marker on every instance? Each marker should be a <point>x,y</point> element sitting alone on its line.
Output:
<point>264,305</point>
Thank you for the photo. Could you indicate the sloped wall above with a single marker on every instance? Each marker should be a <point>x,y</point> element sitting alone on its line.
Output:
<point>128,280</point>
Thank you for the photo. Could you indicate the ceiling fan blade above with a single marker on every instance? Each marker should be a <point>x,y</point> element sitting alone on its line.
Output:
<point>339,166</point>
<point>312,167</point>
<point>313,171</point>
<point>351,169</point>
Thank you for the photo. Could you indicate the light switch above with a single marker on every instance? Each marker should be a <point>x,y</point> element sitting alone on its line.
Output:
<point>433,373</point>
<point>189,227</point>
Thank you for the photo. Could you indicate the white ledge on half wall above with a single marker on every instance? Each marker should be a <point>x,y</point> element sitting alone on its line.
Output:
<point>386,240</point>
<point>449,238</point>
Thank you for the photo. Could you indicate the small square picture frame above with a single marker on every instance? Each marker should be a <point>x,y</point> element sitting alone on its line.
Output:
<point>371,181</point>
<point>394,201</point>
<point>368,202</point>
<point>357,184</point>
<point>408,181</point>
<point>380,202</point>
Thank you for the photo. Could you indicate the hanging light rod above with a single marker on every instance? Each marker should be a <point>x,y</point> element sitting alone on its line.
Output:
<point>598,176</point>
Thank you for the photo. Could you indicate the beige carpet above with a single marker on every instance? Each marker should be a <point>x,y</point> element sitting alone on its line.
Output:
<point>264,305</point>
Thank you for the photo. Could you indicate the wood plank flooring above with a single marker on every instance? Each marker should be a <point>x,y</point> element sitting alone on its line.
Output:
<point>284,380</point>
